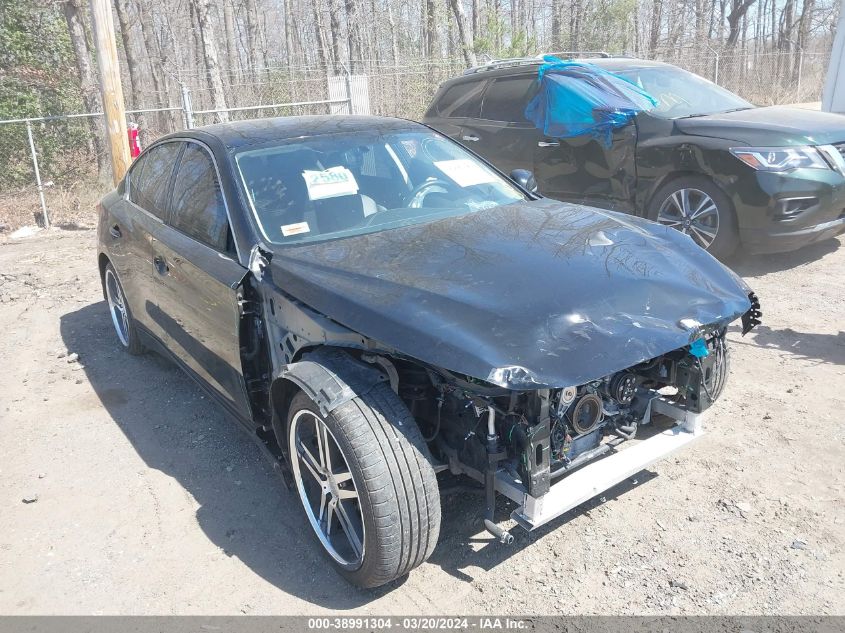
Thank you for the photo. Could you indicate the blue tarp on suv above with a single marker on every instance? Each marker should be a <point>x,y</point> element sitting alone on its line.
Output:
<point>577,98</point>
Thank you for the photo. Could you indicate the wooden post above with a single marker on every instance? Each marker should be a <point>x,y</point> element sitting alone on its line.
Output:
<point>110,87</point>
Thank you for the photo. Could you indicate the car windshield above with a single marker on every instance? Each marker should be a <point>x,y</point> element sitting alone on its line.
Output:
<point>682,94</point>
<point>341,185</point>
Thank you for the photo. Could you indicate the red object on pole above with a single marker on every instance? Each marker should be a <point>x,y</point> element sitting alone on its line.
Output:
<point>134,143</point>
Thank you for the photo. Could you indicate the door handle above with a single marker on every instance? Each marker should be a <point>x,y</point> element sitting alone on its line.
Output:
<point>548,144</point>
<point>115,232</point>
<point>469,137</point>
<point>161,265</point>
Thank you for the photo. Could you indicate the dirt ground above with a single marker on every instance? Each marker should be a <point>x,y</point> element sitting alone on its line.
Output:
<point>124,491</point>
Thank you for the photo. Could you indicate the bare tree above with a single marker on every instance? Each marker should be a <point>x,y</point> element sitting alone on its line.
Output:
<point>88,83</point>
<point>738,10</point>
<point>232,56</point>
<point>135,81</point>
<point>202,9</point>
<point>319,35</point>
<point>353,35</point>
<point>464,33</point>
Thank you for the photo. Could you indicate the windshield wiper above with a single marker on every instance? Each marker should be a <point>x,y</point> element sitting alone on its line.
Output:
<point>690,116</point>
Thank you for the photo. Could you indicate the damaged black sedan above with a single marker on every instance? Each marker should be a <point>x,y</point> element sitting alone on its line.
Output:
<point>377,304</point>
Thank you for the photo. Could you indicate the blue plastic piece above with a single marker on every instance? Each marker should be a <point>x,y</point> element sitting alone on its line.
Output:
<point>699,348</point>
<point>576,98</point>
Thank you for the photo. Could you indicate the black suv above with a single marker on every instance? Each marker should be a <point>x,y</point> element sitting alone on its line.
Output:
<point>705,161</point>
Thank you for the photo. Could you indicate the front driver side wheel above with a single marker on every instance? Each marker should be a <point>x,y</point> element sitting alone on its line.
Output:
<point>699,208</point>
<point>363,475</point>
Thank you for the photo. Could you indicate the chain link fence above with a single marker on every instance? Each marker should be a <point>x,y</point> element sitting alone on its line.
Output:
<point>55,168</point>
<point>762,77</point>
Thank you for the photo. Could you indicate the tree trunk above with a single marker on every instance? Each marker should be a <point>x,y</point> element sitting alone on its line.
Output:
<point>288,18</point>
<point>253,25</point>
<point>353,36</point>
<point>464,34</point>
<point>88,84</point>
<point>335,9</point>
<point>196,55</point>
<point>394,42</point>
<point>555,39</point>
<point>136,82</point>
<point>787,17</point>
<point>171,121</point>
<point>232,56</point>
<point>805,21</point>
<point>738,10</point>
<point>212,63</point>
<point>319,35</point>
<point>654,33</point>
<point>431,44</point>
<point>700,9</point>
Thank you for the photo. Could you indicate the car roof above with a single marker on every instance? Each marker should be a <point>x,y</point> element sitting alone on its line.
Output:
<point>530,66</point>
<point>238,134</point>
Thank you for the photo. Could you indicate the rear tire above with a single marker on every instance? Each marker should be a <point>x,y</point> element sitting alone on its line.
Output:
<point>121,315</point>
<point>379,478</point>
<point>697,207</point>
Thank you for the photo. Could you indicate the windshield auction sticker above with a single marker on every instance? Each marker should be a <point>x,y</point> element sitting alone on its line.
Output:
<point>330,183</point>
<point>295,229</point>
<point>465,173</point>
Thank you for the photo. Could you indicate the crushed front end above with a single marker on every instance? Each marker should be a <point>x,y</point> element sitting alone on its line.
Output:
<point>549,450</point>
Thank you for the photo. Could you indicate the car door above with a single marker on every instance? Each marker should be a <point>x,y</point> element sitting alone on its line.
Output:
<point>501,133</point>
<point>589,170</point>
<point>139,216</point>
<point>197,277</point>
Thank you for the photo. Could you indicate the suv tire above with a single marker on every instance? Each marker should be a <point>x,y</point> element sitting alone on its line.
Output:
<point>697,207</point>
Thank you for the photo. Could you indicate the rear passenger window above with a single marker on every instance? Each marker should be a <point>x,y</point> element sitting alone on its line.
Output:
<point>461,100</point>
<point>506,98</point>
<point>197,203</point>
<point>150,176</point>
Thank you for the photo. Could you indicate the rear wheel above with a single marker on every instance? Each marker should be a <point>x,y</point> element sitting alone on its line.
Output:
<point>364,478</point>
<point>697,207</point>
<point>121,316</point>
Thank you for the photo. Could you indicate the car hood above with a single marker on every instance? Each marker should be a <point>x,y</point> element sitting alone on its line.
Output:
<point>774,126</point>
<point>532,295</point>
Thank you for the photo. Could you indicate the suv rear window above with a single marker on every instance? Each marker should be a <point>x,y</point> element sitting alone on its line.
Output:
<point>506,98</point>
<point>461,100</point>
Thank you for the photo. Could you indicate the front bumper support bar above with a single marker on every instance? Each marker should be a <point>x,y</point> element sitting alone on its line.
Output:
<point>594,478</point>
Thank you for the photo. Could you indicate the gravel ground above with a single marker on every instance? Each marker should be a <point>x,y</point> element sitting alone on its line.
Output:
<point>125,491</point>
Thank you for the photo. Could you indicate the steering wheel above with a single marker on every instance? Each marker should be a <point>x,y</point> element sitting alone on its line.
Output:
<point>415,198</point>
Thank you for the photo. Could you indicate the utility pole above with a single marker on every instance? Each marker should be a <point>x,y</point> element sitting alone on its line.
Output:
<point>110,87</point>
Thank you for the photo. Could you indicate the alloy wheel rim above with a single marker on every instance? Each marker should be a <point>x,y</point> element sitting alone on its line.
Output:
<point>117,308</point>
<point>327,489</point>
<point>693,212</point>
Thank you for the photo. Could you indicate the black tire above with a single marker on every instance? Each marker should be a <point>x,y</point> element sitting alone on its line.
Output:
<point>726,237</point>
<point>128,337</point>
<point>397,494</point>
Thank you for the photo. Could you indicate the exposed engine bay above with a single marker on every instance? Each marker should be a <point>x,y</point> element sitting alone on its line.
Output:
<point>542,435</point>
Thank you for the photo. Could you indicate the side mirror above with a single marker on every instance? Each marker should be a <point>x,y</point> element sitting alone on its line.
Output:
<point>525,179</point>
